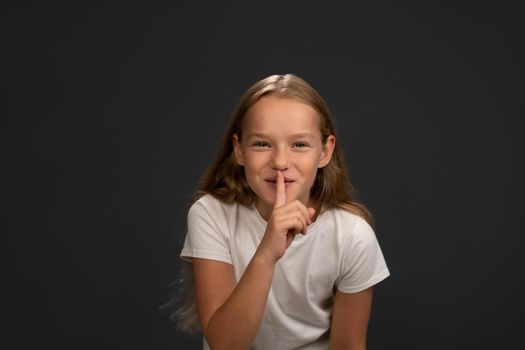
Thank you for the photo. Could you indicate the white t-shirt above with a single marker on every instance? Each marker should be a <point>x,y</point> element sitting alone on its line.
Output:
<point>340,250</point>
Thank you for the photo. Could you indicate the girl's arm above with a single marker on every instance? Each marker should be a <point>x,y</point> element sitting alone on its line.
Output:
<point>350,316</point>
<point>231,314</point>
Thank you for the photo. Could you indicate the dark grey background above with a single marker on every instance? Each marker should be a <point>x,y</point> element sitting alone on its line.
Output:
<point>111,113</point>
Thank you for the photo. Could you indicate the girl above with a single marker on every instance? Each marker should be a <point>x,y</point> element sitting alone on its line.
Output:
<point>282,255</point>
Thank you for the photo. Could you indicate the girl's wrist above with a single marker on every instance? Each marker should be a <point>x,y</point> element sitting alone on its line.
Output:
<point>261,258</point>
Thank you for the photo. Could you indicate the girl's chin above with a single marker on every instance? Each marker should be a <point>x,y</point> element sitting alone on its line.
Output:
<point>269,201</point>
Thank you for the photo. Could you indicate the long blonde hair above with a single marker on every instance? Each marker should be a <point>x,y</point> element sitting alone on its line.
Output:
<point>225,180</point>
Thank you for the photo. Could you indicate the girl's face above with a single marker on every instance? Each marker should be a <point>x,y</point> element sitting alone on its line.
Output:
<point>281,134</point>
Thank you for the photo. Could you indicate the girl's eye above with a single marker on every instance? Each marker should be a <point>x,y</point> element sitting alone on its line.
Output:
<point>260,144</point>
<point>300,145</point>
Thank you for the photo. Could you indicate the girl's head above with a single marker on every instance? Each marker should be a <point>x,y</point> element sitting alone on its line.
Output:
<point>281,123</point>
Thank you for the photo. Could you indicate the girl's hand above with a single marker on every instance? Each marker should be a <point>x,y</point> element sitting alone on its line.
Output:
<point>286,220</point>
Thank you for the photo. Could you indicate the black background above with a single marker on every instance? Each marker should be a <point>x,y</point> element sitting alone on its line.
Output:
<point>112,112</point>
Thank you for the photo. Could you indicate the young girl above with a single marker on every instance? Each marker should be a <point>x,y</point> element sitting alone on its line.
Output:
<point>282,255</point>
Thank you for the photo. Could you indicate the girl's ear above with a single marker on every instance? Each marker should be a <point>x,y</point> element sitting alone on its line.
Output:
<point>328,149</point>
<point>237,150</point>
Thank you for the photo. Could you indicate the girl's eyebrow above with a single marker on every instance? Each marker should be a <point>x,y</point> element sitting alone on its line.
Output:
<point>303,135</point>
<point>294,136</point>
<point>256,135</point>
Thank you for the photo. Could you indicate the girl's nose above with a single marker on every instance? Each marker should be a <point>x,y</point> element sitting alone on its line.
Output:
<point>280,160</point>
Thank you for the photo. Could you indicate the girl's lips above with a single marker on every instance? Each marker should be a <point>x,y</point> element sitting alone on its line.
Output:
<point>274,179</point>
<point>272,182</point>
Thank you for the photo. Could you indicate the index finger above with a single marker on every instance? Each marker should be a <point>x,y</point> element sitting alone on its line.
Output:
<point>280,190</point>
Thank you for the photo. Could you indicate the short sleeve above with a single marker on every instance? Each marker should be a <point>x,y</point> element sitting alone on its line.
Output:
<point>207,232</point>
<point>363,264</point>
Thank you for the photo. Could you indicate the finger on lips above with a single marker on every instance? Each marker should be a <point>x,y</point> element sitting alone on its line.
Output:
<point>295,209</point>
<point>280,190</point>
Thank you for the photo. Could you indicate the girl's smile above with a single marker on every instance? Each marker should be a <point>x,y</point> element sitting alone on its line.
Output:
<point>273,180</point>
<point>272,183</point>
<point>281,134</point>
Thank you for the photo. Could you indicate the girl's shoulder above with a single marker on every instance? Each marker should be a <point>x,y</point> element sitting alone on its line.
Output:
<point>347,223</point>
<point>219,216</point>
<point>207,200</point>
<point>211,204</point>
<point>345,217</point>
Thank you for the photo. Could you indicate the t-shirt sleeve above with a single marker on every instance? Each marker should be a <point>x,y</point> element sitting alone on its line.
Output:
<point>363,263</point>
<point>207,232</point>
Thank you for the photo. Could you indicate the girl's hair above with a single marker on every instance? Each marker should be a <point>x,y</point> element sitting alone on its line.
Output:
<point>225,180</point>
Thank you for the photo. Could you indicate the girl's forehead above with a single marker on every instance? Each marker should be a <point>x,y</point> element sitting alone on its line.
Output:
<point>271,112</point>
